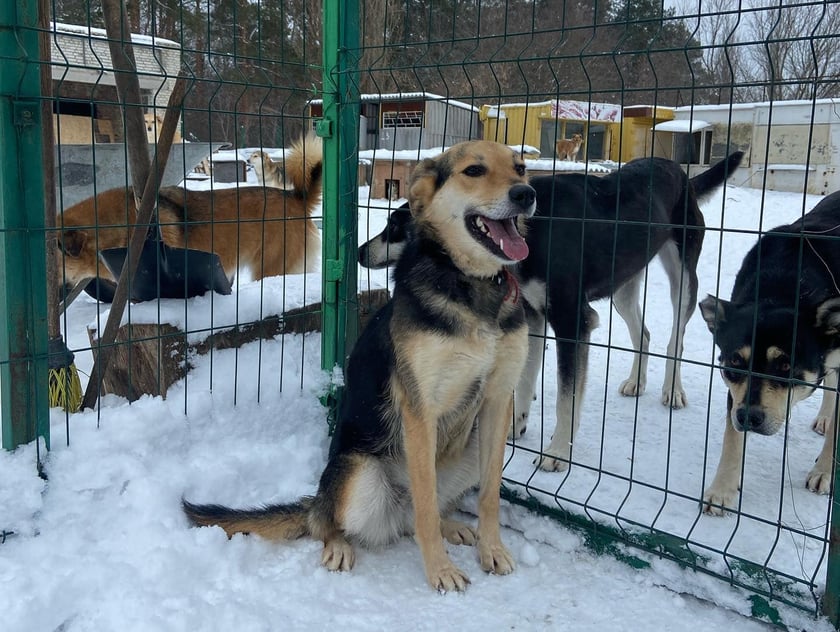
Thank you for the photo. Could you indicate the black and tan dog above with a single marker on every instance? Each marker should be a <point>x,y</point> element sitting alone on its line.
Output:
<point>428,396</point>
<point>592,238</point>
<point>779,337</point>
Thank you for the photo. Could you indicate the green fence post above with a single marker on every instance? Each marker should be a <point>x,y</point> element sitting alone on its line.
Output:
<point>831,597</point>
<point>23,296</point>
<point>339,131</point>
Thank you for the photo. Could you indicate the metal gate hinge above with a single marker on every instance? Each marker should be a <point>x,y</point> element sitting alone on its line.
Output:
<point>334,270</point>
<point>26,113</point>
<point>323,128</point>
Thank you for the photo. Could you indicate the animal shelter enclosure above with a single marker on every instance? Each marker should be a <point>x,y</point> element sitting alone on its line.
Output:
<point>289,133</point>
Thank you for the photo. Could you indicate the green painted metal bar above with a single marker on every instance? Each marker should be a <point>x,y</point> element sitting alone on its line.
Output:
<point>23,295</point>
<point>339,131</point>
<point>831,596</point>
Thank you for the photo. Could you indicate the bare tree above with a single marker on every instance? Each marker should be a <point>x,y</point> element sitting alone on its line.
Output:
<point>717,24</point>
<point>794,55</point>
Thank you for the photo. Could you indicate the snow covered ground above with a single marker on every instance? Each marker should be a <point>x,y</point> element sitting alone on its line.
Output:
<point>103,545</point>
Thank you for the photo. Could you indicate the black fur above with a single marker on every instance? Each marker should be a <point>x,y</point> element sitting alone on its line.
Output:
<point>589,236</point>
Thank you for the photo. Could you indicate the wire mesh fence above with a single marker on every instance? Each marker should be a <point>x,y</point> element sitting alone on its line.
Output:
<point>580,90</point>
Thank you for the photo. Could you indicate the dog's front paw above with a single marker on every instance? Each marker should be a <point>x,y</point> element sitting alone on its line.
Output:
<point>495,558</point>
<point>447,577</point>
<point>674,398</point>
<point>820,424</point>
<point>548,463</point>
<point>338,555</point>
<point>456,532</point>
<point>718,499</point>
<point>819,478</point>
<point>631,387</point>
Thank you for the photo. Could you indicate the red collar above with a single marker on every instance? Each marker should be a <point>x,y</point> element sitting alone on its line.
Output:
<point>512,294</point>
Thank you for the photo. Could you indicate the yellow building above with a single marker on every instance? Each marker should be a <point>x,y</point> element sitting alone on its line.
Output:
<point>609,133</point>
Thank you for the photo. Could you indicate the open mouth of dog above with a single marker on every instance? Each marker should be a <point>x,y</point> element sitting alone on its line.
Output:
<point>500,236</point>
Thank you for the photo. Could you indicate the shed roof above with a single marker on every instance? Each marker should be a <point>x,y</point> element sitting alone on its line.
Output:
<point>408,96</point>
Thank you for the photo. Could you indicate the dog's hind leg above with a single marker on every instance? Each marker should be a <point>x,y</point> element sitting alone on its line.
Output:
<point>526,388</point>
<point>828,409</point>
<point>683,283</point>
<point>572,359</point>
<point>626,301</point>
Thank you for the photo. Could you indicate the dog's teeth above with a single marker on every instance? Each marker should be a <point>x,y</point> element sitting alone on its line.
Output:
<point>479,223</point>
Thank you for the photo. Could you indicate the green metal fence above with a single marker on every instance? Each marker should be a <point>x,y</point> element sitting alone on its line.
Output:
<point>382,82</point>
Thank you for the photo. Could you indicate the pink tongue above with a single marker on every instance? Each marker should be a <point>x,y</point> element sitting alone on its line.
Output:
<point>506,236</point>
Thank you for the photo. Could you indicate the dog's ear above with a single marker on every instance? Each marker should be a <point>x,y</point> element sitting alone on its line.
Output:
<point>713,310</point>
<point>426,179</point>
<point>422,185</point>
<point>828,317</point>
<point>72,242</point>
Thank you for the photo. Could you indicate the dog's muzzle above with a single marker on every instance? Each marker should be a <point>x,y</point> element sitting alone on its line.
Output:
<point>752,419</point>
<point>524,197</point>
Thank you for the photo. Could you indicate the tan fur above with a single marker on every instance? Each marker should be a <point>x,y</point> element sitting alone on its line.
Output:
<point>269,173</point>
<point>266,230</point>
<point>154,123</point>
<point>444,218</point>
<point>775,402</point>
<point>568,148</point>
<point>276,527</point>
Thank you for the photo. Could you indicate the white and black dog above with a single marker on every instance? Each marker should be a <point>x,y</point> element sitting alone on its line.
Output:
<point>591,238</point>
<point>779,336</point>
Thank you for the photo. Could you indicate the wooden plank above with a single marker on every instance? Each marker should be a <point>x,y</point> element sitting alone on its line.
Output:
<point>149,358</point>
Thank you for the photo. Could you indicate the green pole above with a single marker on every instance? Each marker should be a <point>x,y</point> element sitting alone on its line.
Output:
<point>831,597</point>
<point>339,131</point>
<point>24,402</point>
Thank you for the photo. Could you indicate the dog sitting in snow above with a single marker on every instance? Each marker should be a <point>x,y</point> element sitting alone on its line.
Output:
<point>428,397</point>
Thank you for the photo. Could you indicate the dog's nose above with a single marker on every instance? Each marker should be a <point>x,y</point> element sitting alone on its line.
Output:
<point>749,418</point>
<point>522,195</point>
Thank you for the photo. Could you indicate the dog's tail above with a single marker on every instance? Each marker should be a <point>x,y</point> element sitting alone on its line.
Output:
<point>303,167</point>
<point>705,183</point>
<point>274,522</point>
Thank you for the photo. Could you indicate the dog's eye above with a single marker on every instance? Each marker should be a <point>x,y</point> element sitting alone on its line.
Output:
<point>733,376</point>
<point>520,170</point>
<point>736,360</point>
<point>475,171</point>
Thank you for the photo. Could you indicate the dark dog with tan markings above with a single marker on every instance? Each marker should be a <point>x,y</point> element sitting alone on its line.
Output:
<point>779,337</point>
<point>428,397</point>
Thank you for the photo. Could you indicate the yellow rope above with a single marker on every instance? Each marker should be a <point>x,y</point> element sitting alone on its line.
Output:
<point>65,388</point>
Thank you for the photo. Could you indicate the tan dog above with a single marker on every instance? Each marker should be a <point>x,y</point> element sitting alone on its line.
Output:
<point>568,148</point>
<point>269,173</point>
<point>154,123</point>
<point>268,231</point>
<point>428,397</point>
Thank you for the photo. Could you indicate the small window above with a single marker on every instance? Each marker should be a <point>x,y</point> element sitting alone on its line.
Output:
<point>409,118</point>
<point>392,189</point>
<point>693,148</point>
